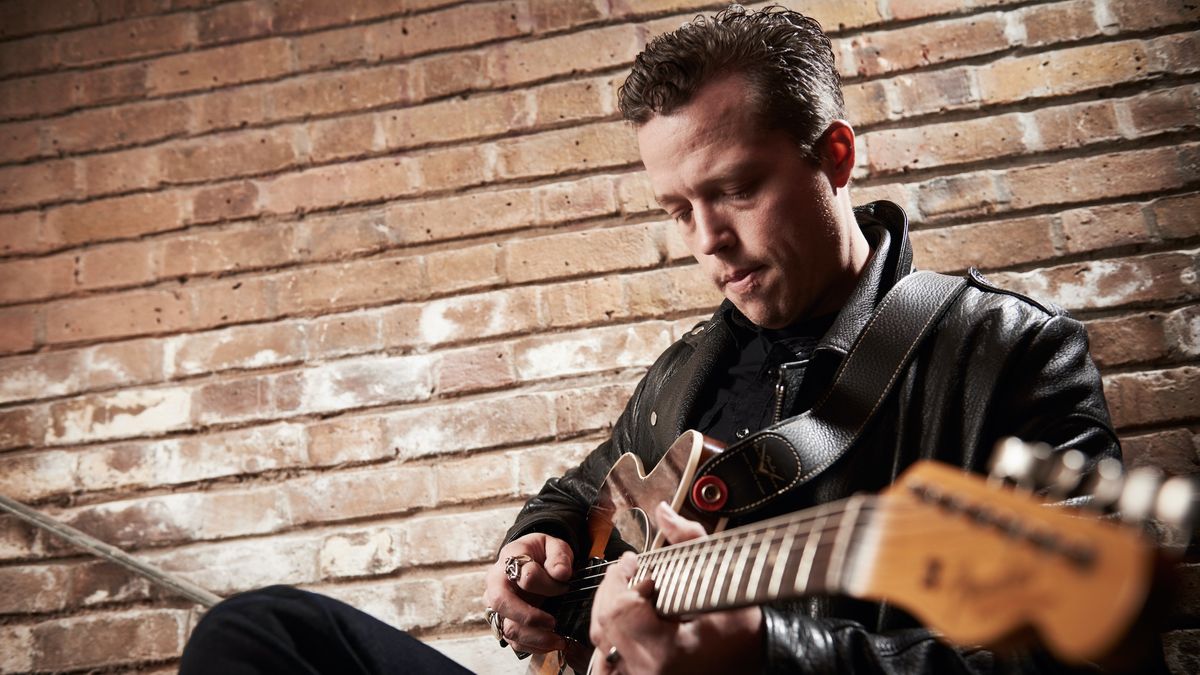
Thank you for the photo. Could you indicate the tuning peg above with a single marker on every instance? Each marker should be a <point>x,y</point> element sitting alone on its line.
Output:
<point>1176,506</point>
<point>1064,473</point>
<point>1138,496</point>
<point>1104,483</point>
<point>1018,462</point>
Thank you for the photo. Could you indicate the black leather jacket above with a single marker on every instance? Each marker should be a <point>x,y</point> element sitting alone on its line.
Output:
<point>999,364</point>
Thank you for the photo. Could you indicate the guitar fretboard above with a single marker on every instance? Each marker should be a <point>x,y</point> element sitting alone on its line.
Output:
<point>806,553</point>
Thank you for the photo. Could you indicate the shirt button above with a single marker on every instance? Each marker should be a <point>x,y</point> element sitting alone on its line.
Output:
<point>742,433</point>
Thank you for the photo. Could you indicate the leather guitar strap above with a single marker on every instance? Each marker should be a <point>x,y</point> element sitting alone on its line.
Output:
<point>782,457</point>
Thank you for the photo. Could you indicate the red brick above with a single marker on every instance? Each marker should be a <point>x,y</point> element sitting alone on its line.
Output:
<point>1175,451</point>
<point>450,28</point>
<point>962,194</point>
<point>1059,22</point>
<point>122,171</point>
<point>935,145</point>
<point>36,278</point>
<point>241,398</point>
<point>359,494</point>
<point>116,315</point>
<point>400,325</point>
<point>43,375</point>
<point>1100,177</point>
<point>225,202</point>
<point>234,21</point>
<point>555,152</point>
<point>20,141</point>
<point>20,427</point>
<point>114,265</point>
<point>575,200</point>
<point>444,74</point>
<point>20,328</point>
<point>123,414</point>
<point>591,409</point>
<point>344,334</point>
<point>127,39</point>
<point>1153,14</point>
<point>456,119</point>
<point>124,363</point>
<point>29,55</point>
<point>353,284</point>
<point>1155,278</point>
<point>1154,397</point>
<point>1124,340</point>
<point>112,84</point>
<point>590,350</point>
<point>454,167</point>
<point>676,289</point>
<point>254,346</point>
<point>224,302</point>
<point>339,91</point>
<point>305,15</point>
<point>1163,110</point>
<point>219,67</point>
<point>102,583</point>
<point>458,269</point>
<point>470,425</point>
<point>575,100</point>
<point>471,317</point>
<point>1066,71</point>
<point>24,18</point>
<point>21,232</point>
<point>866,102</point>
<point>34,589</point>
<point>1076,125</point>
<point>931,92</point>
<point>114,218</point>
<point>535,464</point>
<point>110,127</point>
<point>481,532</point>
<point>214,250</point>
<point>987,245</point>
<point>321,51</point>
<point>335,185</point>
<point>342,234</point>
<point>347,439</point>
<point>584,252</point>
<point>1104,227</point>
<point>474,369</point>
<point>109,639</point>
<point>927,44</point>
<point>342,138</point>
<point>38,95</point>
<point>584,302</point>
<point>233,108</point>
<point>588,51</point>
<point>229,155</point>
<point>367,381</point>
<point>462,215</point>
<point>553,15</point>
<point>916,9</point>
<point>30,184</point>
<point>492,475</point>
<point>1183,332</point>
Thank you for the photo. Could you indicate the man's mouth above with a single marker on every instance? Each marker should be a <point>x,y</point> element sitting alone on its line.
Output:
<point>740,280</point>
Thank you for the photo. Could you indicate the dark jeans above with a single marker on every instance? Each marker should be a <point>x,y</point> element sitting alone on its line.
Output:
<point>280,629</point>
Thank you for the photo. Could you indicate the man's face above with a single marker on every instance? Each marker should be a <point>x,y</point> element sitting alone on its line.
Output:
<point>756,214</point>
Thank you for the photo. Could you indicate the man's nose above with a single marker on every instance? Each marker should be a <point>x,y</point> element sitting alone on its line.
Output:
<point>713,231</point>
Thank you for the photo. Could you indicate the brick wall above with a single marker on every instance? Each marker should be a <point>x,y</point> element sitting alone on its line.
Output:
<point>316,292</point>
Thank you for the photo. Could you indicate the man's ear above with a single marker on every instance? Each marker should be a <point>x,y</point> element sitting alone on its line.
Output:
<point>836,148</point>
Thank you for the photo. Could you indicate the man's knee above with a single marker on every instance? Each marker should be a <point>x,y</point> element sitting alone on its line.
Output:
<point>260,608</point>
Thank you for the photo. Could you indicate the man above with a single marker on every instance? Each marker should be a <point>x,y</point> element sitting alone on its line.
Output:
<point>740,127</point>
<point>739,124</point>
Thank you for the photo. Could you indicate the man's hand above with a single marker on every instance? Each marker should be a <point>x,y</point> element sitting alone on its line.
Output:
<point>623,617</point>
<point>528,628</point>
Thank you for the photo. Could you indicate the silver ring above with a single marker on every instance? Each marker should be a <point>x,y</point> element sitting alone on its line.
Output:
<point>612,656</point>
<point>512,566</point>
<point>497,623</point>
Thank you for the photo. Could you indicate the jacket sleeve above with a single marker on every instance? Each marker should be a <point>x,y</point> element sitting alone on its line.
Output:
<point>1049,391</point>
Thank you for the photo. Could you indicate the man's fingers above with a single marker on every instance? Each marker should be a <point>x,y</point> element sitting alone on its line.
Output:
<point>535,579</point>
<point>530,639</point>
<point>558,559</point>
<point>675,527</point>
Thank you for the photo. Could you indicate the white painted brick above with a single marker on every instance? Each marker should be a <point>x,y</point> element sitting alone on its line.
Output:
<point>121,414</point>
<point>342,385</point>
<point>361,553</point>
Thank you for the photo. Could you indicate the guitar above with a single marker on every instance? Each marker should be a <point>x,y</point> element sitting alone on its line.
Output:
<point>978,563</point>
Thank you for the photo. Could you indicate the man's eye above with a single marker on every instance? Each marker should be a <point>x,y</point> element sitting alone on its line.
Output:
<point>683,216</point>
<point>741,193</point>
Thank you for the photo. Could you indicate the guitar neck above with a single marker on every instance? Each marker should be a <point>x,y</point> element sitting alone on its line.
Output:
<point>817,551</point>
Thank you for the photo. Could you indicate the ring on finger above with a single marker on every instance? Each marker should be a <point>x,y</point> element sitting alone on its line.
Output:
<point>497,623</point>
<point>513,565</point>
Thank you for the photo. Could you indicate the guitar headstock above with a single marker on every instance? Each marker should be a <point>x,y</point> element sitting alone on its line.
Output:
<point>986,562</point>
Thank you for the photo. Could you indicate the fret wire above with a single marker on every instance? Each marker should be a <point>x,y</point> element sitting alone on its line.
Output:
<point>759,561</point>
<point>670,592</point>
<point>840,544</point>
<point>665,585</point>
<point>785,550</point>
<point>708,573</point>
<point>689,596</point>
<point>735,582</point>
<point>806,557</point>
<point>686,577</point>
<point>725,561</point>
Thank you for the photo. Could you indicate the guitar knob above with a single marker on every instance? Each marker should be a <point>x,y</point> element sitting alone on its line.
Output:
<point>1137,501</point>
<point>1064,473</point>
<point>1018,462</point>
<point>1105,483</point>
<point>1176,506</point>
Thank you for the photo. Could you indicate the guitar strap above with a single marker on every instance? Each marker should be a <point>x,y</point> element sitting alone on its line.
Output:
<point>766,465</point>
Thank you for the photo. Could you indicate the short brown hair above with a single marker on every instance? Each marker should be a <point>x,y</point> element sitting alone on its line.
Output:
<point>785,57</point>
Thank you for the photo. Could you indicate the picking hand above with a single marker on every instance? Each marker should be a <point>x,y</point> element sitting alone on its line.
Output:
<point>542,566</point>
